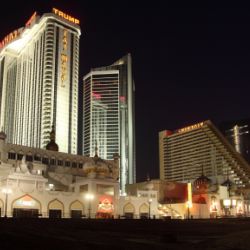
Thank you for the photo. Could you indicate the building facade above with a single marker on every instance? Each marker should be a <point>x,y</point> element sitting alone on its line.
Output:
<point>39,81</point>
<point>108,115</point>
<point>200,148</point>
<point>36,182</point>
<point>49,184</point>
<point>238,134</point>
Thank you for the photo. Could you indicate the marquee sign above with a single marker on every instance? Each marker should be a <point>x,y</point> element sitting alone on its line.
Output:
<point>26,201</point>
<point>105,206</point>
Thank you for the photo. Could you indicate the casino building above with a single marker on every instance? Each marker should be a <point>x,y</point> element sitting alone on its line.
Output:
<point>50,184</point>
<point>39,81</point>
<point>201,148</point>
<point>47,183</point>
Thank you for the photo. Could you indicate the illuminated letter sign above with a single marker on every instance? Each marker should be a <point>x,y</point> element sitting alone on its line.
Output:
<point>9,38</point>
<point>64,58</point>
<point>65,16</point>
<point>31,19</point>
<point>26,201</point>
<point>189,128</point>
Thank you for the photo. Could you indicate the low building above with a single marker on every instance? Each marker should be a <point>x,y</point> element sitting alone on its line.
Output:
<point>182,153</point>
<point>36,182</point>
<point>201,199</point>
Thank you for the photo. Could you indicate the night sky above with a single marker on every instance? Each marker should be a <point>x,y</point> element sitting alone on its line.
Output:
<point>189,64</point>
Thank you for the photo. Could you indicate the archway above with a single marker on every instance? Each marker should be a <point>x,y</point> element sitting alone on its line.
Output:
<point>55,209</point>
<point>128,211</point>
<point>77,209</point>
<point>26,206</point>
<point>144,211</point>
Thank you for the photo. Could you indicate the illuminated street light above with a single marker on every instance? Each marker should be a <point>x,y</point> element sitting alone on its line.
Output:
<point>89,197</point>
<point>149,208</point>
<point>6,191</point>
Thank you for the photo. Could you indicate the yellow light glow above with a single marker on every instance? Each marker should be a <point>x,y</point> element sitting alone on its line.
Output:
<point>239,207</point>
<point>89,196</point>
<point>189,128</point>
<point>6,190</point>
<point>227,203</point>
<point>234,203</point>
<point>213,207</point>
<point>189,204</point>
<point>65,16</point>
<point>189,187</point>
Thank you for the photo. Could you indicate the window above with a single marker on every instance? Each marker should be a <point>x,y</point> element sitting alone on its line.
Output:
<point>52,162</point>
<point>60,163</point>
<point>45,160</point>
<point>84,188</point>
<point>11,155</point>
<point>19,156</point>
<point>37,157</point>
<point>29,157</point>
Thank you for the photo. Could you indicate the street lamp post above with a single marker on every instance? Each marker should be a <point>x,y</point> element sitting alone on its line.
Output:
<point>149,208</point>
<point>188,205</point>
<point>6,191</point>
<point>89,197</point>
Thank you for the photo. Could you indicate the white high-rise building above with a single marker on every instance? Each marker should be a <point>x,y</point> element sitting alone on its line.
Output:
<point>108,115</point>
<point>39,66</point>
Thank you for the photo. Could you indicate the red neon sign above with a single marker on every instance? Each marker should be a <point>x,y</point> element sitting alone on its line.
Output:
<point>31,19</point>
<point>105,206</point>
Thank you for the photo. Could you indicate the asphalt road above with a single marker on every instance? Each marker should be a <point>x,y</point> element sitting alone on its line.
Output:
<point>233,234</point>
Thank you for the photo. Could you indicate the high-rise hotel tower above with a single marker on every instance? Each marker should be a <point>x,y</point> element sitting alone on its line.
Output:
<point>108,118</point>
<point>39,81</point>
<point>189,152</point>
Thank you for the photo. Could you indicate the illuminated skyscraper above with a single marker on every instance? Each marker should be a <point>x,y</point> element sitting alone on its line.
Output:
<point>108,118</point>
<point>39,81</point>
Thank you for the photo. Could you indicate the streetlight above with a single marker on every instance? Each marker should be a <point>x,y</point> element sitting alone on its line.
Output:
<point>149,208</point>
<point>6,191</point>
<point>89,197</point>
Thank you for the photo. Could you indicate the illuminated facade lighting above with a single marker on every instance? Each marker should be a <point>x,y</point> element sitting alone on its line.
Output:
<point>39,81</point>
<point>108,117</point>
<point>184,151</point>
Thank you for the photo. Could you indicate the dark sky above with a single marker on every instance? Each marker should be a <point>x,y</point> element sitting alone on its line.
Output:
<point>189,64</point>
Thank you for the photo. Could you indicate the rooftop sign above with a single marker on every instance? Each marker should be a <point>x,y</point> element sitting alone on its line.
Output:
<point>189,128</point>
<point>65,16</point>
<point>9,38</point>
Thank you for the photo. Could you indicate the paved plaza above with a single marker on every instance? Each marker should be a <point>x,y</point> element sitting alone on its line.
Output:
<point>124,234</point>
